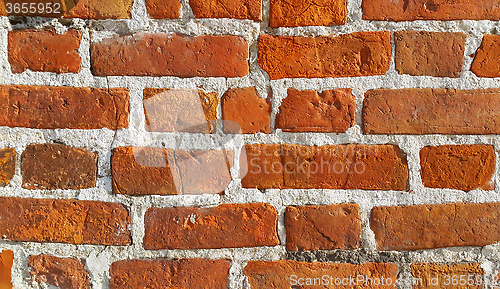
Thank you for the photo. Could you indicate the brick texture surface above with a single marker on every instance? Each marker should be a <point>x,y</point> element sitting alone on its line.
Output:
<point>409,10</point>
<point>369,167</point>
<point>51,107</point>
<point>249,112</point>
<point>486,62</point>
<point>7,165</point>
<point>325,227</point>
<point>308,13</point>
<point>64,221</point>
<point>310,111</point>
<point>439,54</point>
<point>449,274</point>
<point>174,274</point>
<point>96,9</point>
<point>238,9</point>
<point>56,166</point>
<point>431,111</point>
<point>461,167</point>
<point>287,274</point>
<point>436,226</point>
<point>44,50</point>
<point>147,54</point>
<point>163,9</point>
<point>348,55</point>
<point>225,226</point>
<point>6,262</point>
<point>65,273</point>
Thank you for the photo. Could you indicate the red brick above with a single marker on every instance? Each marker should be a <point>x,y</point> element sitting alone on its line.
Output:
<point>7,165</point>
<point>238,9</point>
<point>97,9</point>
<point>409,10</point>
<point>50,107</point>
<point>310,111</point>
<point>245,107</point>
<point>436,226</point>
<point>348,55</point>
<point>64,221</point>
<point>461,167</point>
<point>163,9</point>
<point>225,226</point>
<point>65,273</point>
<point>44,50</point>
<point>431,111</point>
<point>325,227</point>
<point>486,63</point>
<point>56,166</point>
<point>180,110</point>
<point>447,274</point>
<point>174,274</point>
<point>308,13</point>
<point>146,54</point>
<point>439,54</point>
<point>286,274</point>
<point>369,167</point>
<point>6,262</point>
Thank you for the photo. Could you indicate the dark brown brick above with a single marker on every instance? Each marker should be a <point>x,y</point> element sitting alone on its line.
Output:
<point>6,262</point>
<point>238,9</point>
<point>7,165</point>
<point>431,111</point>
<point>51,107</point>
<point>65,273</point>
<point>308,13</point>
<point>486,62</point>
<point>245,107</point>
<point>324,227</point>
<point>436,226</point>
<point>448,274</point>
<point>64,221</point>
<point>163,9</point>
<point>56,166</point>
<point>225,226</point>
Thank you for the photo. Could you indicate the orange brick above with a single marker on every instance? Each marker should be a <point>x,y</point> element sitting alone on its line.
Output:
<point>7,166</point>
<point>163,9</point>
<point>348,55</point>
<point>97,9</point>
<point>44,50</point>
<point>225,226</point>
<point>439,54</point>
<point>310,111</point>
<point>431,111</point>
<point>64,221</point>
<point>238,9</point>
<point>161,54</point>
<point>453,276</point>
<point>436,226</point>
<point>245,107</point>
<point>485,63</point>
<point>65,273</point>
<point>51,107</point>
<point>174,274</point>
<point>6,262</point>
<point>461,167</point>
<point>308,13</point>
<point>325,227</point>
<point>409,10</point>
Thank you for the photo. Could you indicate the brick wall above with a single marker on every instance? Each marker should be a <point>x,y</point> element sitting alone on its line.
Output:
<point>249,144</point>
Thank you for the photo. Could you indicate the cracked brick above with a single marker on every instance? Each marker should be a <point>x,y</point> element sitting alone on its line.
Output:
<point>486,62</point>
<point>286,13</point>
<point>65,273</point>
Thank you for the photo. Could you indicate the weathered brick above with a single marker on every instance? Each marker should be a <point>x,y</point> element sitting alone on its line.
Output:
<point>163,9</point>
<point>6,262</point>
<point>461,167</point>
<point>369,167</point>
<point>439,54</point>
<point>325,227</point>
<point>161,54</point>
<point>486,62</point>
<point>56,166</point>
<point>65,273</point>
<point>307,13</point>
<point>431,111</point>
<point>245,107</point>
<point>180,110</point>
<point>225,226</point>
<point>50,107</point>
<point>293,274</point>
<point>64,221</point>
<point>436,226</point>
<point>97,9</point>
<point>174,274</point>
<point>44,50</point>
<point>348,55</point>
<point>238,9</point>
<point>310,111</point>
<point>7,165</point>
<point>410,10</point>
<point>448,276</point>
